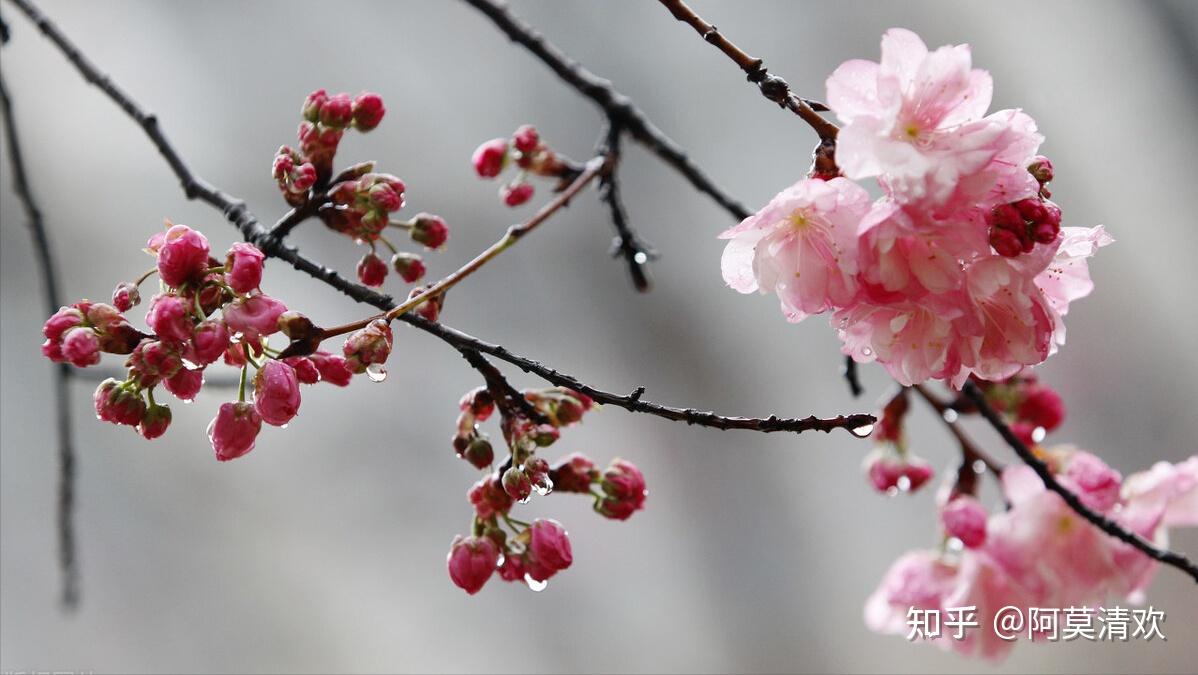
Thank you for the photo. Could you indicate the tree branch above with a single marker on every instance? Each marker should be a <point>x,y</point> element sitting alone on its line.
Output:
<point>626,243</point>
<point>49,272</point>
<point>772,87</point>
<point>1165,556</point>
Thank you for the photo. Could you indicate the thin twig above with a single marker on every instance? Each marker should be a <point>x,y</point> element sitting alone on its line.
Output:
<point>626,243</point>
<point>970,452</point>
<point>49,271</point>
<point>507,397</point>
<point>849,370</point>
<point>772,87</point>
<point>616,106</point>
<point>1181,562</point>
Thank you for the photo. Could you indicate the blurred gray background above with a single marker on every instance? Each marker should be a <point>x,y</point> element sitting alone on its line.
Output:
<point>324,549</point>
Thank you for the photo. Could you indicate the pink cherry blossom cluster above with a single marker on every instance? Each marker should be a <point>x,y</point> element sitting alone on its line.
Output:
<point>188,335</point>
<point>535,551</point>
<point>1038,552</point>
<point>531,155</point>
<point>961,267</point>
<point>360,202</point>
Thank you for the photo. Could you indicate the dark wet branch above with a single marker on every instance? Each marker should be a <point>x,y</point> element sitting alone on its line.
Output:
<point>46,264</point>
<point>1164,556</point>
<point>626,244</point>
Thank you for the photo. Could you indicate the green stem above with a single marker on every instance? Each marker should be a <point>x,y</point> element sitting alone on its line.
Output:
<point>241,387</point>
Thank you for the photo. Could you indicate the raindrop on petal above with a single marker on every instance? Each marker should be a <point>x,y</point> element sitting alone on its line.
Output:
<point>376,372</point>
<point>534,585</point>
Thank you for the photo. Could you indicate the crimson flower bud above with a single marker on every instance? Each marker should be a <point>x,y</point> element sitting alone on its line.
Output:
<point>488,498</point>
<point>368,346</point>
<point>517,484</point>
<point>512,568</point>
<point>305,370</point>
<point>574,473</point>
<point>234,430</point>
<point>1005,242</point>
<point>313,104</point>
<point>183,256</point>
<point>368,111</point>
<point>430,308</point>
<point>1043,407</point>
<point>429,230</point>
<point>372,271</point>
<point>409,266</point>
<point>243,267</point>
<point>333,368</point>
<point>170,318</point>
<point>185,384</point>
<point>337,111</point>
<point>64,318</point>
<point>624,487</point>
<point>153,361</point>
<point>254,316</point>
<point>104,399</point>
<point>479,402</point>
<point>490,158</point>
<point>81,347</point>
<point>471,562</point>
<point>276,393</point>
<point>125,407</point>
<point>385,197</point>
<point>155,421</point>
<point>964,517</point>
<point>516,194</point>
<point>548,549</point>
<point>126,296</point>
<point>526,139</point>
<point>208,342</point>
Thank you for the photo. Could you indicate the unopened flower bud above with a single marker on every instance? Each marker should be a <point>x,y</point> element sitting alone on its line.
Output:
<point>372,271</point>
<point>81,347</point>
<point>479,402</point>
<point>126,296</point>
<point>549,549</point>
<point>333,368</point>
<point>185,384</point>
<point>276,393</point>
<point>155,421</point>
<point>305,370</point>
<point>170,318</point>
<point>409,266</point>
<point>490,158</point>
<point>517,484</point>
<point>1095,483</point>
<point>63,319</point>
<point>623,485</point>
<point>234,430</point>
<point>313,104</point>
<point>526,138</point>
<point>574,473</point>
<point>516,194</point>
<point>208,342</point>
<point>471,562</point>
<point>337,111</point>
<point>368,111</point>
<point>183,256</point>
<point>368,346</point>
<point>243,267</point>
<point>479,453</point>
<point>429,230</point>
<point>964,517</point>
<point>1005,242</point>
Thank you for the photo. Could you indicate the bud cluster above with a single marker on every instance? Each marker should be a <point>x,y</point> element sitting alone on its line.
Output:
<point>360,203</point>
<point>1016,227</point>
<point>531,552</point>
<point>207,310</point>
<point>529,153</point>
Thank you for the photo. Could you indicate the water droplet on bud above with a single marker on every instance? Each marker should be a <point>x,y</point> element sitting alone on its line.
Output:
<point>904,483</point>
<point>534,585</point>
<point>376,372</point>
<point>1038,434</point>
<point>862,431</point>
<point>867,352</point>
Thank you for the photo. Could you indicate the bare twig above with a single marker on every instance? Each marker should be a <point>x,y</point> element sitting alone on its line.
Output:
<point>1165,556</point>
<point>49,271</point>
<point>626,243</point>
<point>772,87</point>
<point>970,452</point>
<point>849,370</point>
